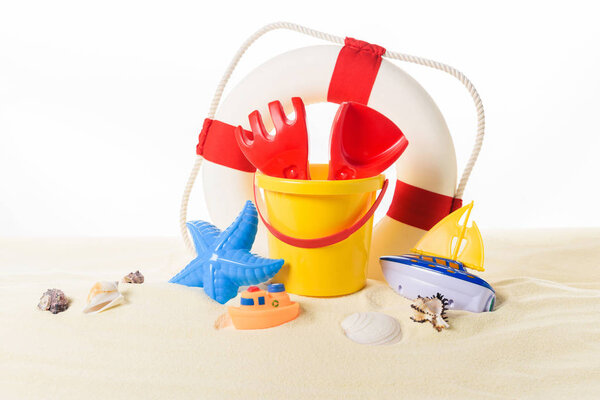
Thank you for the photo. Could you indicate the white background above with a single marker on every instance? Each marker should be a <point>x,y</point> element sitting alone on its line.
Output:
<point>101,102</point>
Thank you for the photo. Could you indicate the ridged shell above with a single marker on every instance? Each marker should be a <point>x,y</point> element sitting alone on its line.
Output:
<point>103,296</point>
<point>372,328</point>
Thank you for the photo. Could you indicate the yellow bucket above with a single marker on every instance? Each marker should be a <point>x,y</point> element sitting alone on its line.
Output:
<point>322,229</point>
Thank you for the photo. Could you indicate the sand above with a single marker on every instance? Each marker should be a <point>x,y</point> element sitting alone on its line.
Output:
<point>542,341</point>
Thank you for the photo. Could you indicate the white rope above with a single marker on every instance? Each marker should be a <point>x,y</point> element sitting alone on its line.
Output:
<point>478,105</point>
<point>339,40</point>
<point>184,203</point>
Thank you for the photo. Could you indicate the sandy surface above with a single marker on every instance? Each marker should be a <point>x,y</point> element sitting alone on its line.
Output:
<point>542,341</point>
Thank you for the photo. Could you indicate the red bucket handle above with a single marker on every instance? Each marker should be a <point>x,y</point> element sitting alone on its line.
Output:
<point>325,240</point>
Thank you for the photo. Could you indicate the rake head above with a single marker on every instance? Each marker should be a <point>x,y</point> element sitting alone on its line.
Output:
<point>285,154</point>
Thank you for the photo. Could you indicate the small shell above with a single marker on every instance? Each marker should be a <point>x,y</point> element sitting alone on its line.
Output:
<point>224,321</point>
<point>372,328</point>
<point>103,296</point>
<point>432,309</point>
<point>133,277</point>
<point>53,300</point>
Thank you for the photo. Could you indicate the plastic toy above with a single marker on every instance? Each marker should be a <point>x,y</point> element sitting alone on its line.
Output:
<point>322,229</point>
<point>439,266</point>
<point>224,262</point>
<point>426,190</point>
<point>284,155</point>
<point>363,142</point>
<point>259,309</point>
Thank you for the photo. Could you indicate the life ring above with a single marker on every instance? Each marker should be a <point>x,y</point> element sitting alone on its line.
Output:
<point>426,172</point>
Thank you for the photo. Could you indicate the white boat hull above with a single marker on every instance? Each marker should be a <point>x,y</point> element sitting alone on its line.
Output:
<point>411,282</point>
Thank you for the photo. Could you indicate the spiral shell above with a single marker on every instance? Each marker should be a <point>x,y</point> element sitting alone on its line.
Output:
<point>372,328</point>
<point>103,296</point>
<point>432,309</point>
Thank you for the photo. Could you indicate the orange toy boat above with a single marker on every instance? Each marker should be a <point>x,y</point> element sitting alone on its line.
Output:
<point>259,309</point>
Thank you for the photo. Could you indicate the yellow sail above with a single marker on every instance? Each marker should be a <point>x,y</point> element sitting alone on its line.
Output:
<point>451,239</point>
<point>472,254</point>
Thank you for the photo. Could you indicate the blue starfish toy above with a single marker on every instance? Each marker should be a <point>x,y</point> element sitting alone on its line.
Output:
<point>224,262</point>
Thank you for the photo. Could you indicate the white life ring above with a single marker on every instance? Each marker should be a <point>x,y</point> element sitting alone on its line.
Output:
<point>428,163</point>
<point>426,171</point>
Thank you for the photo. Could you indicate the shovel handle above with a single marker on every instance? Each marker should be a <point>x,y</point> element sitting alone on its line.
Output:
<point>324,240</point>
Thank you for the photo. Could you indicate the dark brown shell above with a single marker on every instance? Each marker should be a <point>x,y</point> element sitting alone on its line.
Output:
<point>53,300</point>
<point>133,277</point>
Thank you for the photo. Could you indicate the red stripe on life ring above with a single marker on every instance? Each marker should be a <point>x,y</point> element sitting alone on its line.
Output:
<point>217,144</point>
<point>355,72</point>
<point>419,207</point>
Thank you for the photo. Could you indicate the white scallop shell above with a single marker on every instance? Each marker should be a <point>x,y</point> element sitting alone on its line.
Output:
<point>372,328</point>
<point>103,296</point>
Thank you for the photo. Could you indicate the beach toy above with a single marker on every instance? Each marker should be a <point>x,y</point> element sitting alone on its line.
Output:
<point>285,154</point>
<point>363,142</point>
<point>350,70</point>
<point>431,309</point>
<point>372,328</point>
<point>102,296</point>
<point>259,309</point>
<point>224,262</point>
<point>438,265</point>
<point>321,228</point>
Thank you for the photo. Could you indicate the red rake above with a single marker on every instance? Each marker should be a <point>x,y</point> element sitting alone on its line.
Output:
<point>283,155</point>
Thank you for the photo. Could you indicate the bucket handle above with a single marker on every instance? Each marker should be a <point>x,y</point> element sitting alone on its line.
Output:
<point>325,240</point>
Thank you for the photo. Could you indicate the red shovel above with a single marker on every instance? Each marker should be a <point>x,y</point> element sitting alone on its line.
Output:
<point>284,155</point>
<point>363,142</point>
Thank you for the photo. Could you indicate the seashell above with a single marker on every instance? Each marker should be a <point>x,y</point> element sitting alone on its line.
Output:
<point>372,328</point>
<point>224,321</point>
<point>53,300</point>
<point>432,309</point>
<point>133,277</point>
<point>103,296</point>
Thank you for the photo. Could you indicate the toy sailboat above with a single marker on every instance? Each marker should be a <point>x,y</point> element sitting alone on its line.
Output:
<point>439,265</point>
